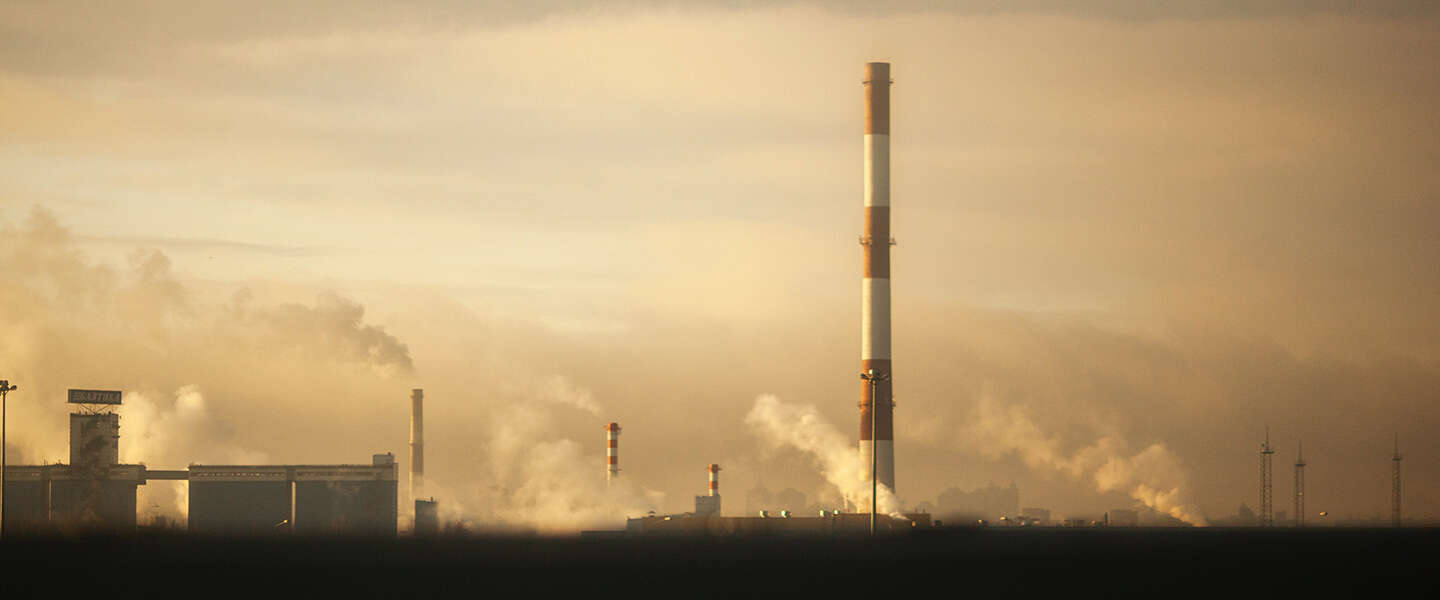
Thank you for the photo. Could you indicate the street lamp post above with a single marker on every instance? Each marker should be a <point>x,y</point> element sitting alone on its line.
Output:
<point>874,380</point>
<point>5,388</point>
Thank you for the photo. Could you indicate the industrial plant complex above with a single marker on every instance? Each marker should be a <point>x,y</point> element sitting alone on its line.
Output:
<point>94,491</point>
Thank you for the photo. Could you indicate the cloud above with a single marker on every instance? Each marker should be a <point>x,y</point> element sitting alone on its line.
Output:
<point>333,327</point>
<point>171,433</point>
<point>1176,226</point>
<point>1154,476</point>
<point>839,460</point>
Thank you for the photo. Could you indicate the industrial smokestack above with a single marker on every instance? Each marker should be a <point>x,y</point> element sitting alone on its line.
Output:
<point>612,452</point>
<point>875,284</point>
<point>709,505</point>
<point>417,443</point>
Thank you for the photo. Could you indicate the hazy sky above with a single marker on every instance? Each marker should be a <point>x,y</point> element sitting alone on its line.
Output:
<point>1168,224</point>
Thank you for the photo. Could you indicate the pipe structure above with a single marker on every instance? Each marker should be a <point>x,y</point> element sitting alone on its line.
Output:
<point>714,470</point>
<point>417,444</point>
<point>877,441</point>
<point>612,452</point>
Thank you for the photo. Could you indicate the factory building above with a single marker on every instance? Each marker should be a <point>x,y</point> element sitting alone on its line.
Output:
<point>828,524</point>
<point>707,521</point>
<point>95,492</point>
<point>427,518</point>
<point>38,497</point>
<point>347,499</point>
<point>239,500</point>
<point>223,499</point>
<point>94,439</point>
<point>304,499</point>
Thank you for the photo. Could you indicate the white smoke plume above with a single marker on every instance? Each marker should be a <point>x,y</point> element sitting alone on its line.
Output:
<point>171,434</point>
<point>557,389</point>
<point>1154,476</point>
<point>533,482</point>
<point>839,460</point>
<point>334,327</point>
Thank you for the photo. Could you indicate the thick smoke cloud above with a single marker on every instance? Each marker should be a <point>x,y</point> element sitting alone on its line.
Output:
<point>334,326</point>
<point>839,461</point>
<point>1154,476</point>
<point>531,481</point>
<point>72,322</point>
<point>1174,227</point>
<point>171,432</point>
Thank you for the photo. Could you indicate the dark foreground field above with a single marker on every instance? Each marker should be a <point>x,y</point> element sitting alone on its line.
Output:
<point>935,564</point>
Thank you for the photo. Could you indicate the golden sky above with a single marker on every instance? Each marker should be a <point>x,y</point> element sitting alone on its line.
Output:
<point>1167,225</point>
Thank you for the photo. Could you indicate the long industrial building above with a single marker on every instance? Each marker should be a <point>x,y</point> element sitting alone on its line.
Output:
<point>706,520</point>
<point>96,493</point>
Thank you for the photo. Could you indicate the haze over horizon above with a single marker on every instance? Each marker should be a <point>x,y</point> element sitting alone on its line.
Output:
<point>1120,228</point>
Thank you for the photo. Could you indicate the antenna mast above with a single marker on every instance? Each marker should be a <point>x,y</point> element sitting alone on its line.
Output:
<point>1395,484</point>
<point>1300,486</point>
<point>1267,512</point>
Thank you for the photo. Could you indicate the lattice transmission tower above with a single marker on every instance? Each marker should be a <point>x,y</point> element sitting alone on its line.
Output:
<point>1395,484</point>
<point>1300,486</point>
<point>1267,510</point>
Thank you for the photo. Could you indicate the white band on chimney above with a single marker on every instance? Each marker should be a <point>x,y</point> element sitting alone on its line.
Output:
<point>874,319</point>
<point>877,169</point>
<point>612,452</point>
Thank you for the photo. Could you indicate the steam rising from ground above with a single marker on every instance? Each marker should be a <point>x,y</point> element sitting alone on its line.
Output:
<point>534,482</point>
<point>171,433</point>
<point>1154,476</point>
<point>802,428</point>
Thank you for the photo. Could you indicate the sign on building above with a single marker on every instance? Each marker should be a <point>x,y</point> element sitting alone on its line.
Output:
<point>94,397</point>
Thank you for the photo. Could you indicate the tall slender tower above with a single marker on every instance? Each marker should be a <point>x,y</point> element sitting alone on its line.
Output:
<point>875,284</point>
<point>612,452</point>
<point>1267,511</point>
<point>1395,484</point>
<point>417,444</point>
<point>1300,486</point>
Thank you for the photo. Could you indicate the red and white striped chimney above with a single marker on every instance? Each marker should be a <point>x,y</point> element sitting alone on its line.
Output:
<point>714,479</point>
<point>875,284</point>
<point>612,452</point>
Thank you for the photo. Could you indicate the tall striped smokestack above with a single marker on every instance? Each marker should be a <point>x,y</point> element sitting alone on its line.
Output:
<point>875,285</point>
<point>714,479</point>
<point>612,452</point>
<point>417,443</point>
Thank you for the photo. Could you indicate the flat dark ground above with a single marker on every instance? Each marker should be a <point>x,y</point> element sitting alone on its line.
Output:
<point>929,564</point>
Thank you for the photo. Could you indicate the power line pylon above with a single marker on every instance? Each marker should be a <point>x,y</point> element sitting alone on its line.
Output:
<point>1267,512</point>
<point>1395,484</point>
<point>1300,486</point>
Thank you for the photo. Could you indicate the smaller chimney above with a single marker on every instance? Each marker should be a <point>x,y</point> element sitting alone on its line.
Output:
<point>709,505</point>
<point>417,443</point>
<point>612,452</point>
